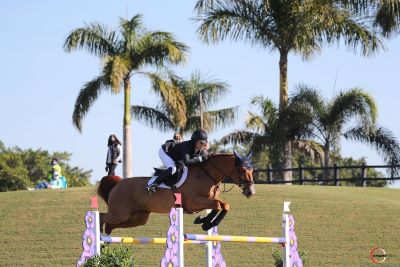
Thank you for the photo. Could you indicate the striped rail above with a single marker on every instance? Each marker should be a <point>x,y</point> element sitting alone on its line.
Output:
<point>142,240</point>
<point>230,238</point>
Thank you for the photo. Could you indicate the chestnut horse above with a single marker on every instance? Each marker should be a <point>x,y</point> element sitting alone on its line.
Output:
<point>129,204</point>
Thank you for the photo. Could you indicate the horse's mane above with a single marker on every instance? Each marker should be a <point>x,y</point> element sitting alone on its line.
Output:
<point>217,155</point>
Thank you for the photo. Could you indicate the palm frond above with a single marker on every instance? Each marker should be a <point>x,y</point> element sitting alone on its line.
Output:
<point>255,123</point>
<point>356,35</point>
<point>96,38</point>
<point>131,28</point>
<point>158,48</point>
<point>311,148</point>
<point>211,90</point>
<point>192,123</point>
<point>268,109</point>
<point>171,96</point>
<point>238,20</point>
<point>115,70</point>
<point>352,103</point>
<point>381,139</point>
<point>239,137</point>
<point>307,96</point>
<point>388,16</point>
<point>203,5</point>
<point>383,15</point>
<point>87,95</point>
<point>329,23</point>
<point>219,118</point>
<point>153,117</point>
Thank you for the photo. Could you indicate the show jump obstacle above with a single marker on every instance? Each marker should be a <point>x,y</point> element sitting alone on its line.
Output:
<point>175,240</point>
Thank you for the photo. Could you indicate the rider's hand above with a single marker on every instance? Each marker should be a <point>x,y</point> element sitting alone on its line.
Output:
<point>106,169</point>
<point>206,156</point>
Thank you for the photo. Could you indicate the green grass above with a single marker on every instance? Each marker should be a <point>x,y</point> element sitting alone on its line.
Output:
<point>336,226</point>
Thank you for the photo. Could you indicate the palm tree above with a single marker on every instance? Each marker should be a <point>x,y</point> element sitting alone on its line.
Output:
<point>263,131</point>
<point>301,27</point>
<point>124,53</point>
<point>383,15</point>
<point>166,118</point>
<point>350,114</point>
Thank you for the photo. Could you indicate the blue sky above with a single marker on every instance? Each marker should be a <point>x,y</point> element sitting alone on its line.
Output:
<point>39,81</point>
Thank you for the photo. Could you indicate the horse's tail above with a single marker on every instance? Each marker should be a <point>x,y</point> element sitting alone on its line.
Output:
<point>106,184</point>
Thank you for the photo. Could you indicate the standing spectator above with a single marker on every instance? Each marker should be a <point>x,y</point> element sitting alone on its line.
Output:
<point>177,137</point>
<point>113,154</point>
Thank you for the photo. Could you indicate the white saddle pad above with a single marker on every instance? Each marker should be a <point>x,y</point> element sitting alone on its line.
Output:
<point>178,184</point>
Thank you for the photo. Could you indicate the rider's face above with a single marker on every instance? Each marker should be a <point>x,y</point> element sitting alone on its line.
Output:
<point>200,145</point>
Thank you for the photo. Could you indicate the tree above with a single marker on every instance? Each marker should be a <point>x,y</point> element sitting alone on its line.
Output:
<point>165,118</point>
<point>124,53</point>
<point>301,27</point>
<point>350,114</point>
<point>23,168</point>
<point>264,129</point>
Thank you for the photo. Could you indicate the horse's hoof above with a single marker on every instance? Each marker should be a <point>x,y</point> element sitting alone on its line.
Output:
<point>198,220</point>
<point>207,226</point>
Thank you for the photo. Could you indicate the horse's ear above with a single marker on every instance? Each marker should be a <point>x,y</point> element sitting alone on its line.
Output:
<point>250,154</point>
<point>236,155</point>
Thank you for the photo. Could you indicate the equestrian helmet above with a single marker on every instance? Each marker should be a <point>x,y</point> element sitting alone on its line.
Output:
<point>201,135</point>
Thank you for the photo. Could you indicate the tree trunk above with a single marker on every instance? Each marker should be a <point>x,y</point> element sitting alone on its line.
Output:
<point>327,161</point>
<point>283,82</point>
<point>127,142</point>
<point>283,102</point>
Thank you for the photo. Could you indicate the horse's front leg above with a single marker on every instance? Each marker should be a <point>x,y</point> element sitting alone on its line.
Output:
<point>218,218</point>
<point>208,218</point>
<point>202,203</point>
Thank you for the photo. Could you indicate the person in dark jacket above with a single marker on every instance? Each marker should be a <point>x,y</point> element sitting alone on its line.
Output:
<point>113,154</point>
<point>175,155</point>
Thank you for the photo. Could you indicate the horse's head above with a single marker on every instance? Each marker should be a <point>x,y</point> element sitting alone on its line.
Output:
<point>244,175</point>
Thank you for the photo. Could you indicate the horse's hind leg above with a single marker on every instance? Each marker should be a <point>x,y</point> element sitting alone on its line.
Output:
<point>113,218</point>
<point>138,218</point>
<point>101,222</point>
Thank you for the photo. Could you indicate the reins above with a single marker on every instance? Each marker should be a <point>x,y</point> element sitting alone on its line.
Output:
<point>223,179</point>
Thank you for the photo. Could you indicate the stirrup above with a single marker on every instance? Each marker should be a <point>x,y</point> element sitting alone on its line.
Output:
<point>151,188</point>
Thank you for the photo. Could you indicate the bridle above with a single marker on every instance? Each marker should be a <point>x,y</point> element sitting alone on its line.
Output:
<point>237,168</point>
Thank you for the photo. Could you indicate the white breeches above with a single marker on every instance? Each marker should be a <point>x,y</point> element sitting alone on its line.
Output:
<point>166,160</point>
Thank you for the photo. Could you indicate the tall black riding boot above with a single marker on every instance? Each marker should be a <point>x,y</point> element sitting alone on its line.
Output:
<point>160,179</point>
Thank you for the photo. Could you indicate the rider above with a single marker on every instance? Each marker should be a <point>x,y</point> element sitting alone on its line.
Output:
<point>175,155</point>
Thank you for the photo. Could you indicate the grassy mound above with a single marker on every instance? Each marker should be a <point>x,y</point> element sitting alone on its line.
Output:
<point>336,226</point>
